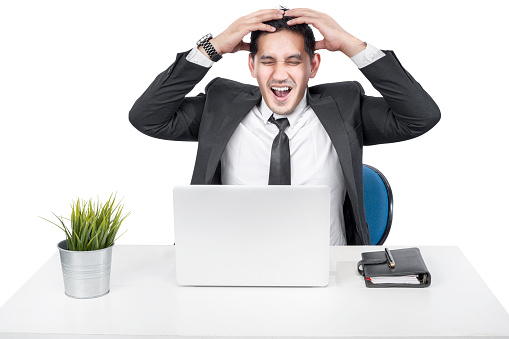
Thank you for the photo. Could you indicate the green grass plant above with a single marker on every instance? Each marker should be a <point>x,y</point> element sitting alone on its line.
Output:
<point>93,226</point>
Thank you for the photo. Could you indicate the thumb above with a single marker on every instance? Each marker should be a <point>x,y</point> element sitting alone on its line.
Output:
<point>320,45</point>
<point>245,46</point>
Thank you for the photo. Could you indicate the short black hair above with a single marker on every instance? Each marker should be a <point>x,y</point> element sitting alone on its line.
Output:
<point>281,24</point>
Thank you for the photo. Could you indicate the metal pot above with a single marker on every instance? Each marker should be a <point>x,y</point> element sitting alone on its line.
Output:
<point>86,273</point>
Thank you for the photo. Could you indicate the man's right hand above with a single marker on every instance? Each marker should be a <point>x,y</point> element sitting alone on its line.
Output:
<point>230,41</point>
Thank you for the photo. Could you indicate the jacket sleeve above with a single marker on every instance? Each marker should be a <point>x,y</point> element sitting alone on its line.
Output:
<point>405,110</point>
<point>163,111</point>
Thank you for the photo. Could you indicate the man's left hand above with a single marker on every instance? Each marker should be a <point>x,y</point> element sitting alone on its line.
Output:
<point>335,38</point>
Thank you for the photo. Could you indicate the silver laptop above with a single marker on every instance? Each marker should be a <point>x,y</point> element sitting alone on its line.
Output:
<point>228,235</point>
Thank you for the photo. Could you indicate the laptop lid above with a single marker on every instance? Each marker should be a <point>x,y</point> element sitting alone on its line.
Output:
<point>229,235</point>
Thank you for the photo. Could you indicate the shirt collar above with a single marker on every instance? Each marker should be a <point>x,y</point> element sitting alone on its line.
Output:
<point>292,117</point>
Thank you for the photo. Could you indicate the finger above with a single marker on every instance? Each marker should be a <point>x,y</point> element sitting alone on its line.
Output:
<point>258,27</point>
<point>265,15</point>
<point>302,20</point>
<point>298,12</point>
<point>263,27</point>
<point>266,11</point>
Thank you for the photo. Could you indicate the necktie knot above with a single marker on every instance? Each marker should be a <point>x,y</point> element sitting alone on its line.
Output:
<point>282,124</point>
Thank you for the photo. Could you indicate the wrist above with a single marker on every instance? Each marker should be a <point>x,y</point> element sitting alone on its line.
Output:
<point>352,46</point>
<point>216,45</point>
<point>206,48</point>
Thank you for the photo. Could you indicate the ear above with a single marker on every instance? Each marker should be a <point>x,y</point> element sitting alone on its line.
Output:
<point>315,63</point>
<point>251,66</point>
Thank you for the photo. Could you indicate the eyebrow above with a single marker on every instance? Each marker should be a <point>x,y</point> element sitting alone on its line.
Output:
<point>293,56</point>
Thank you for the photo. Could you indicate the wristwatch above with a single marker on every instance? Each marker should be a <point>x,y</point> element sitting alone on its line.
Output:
<point>211,51</point>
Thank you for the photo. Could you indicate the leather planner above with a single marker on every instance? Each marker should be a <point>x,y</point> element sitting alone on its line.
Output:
<point>394,268</point>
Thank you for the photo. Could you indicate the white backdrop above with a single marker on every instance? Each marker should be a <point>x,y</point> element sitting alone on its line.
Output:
<point>71,70</point>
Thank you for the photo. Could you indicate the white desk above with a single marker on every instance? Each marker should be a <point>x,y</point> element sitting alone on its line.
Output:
<point>146,302</point>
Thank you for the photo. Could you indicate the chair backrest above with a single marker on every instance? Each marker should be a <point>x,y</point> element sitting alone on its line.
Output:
<point>377,203</point>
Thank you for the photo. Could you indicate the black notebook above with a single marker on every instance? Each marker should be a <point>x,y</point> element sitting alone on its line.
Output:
<point>409,269</point>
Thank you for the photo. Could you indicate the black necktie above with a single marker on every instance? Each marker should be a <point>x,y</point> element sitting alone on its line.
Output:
<point>279,173</point>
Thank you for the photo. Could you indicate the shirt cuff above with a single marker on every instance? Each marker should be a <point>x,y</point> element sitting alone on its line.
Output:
<point>367,56</point>
<point>197,57</point>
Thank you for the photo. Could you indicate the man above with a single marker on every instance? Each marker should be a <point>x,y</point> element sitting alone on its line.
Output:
<point>283,132</point>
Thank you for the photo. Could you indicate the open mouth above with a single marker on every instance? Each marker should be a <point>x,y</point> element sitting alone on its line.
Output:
<point>281,93</point>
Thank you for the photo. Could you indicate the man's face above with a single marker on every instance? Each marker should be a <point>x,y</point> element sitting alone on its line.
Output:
<point>282,68</point>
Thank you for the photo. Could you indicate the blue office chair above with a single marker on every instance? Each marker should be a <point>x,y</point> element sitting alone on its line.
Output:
<point>377,203</point>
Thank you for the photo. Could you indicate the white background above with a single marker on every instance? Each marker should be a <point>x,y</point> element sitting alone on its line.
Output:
<point>71,70</point>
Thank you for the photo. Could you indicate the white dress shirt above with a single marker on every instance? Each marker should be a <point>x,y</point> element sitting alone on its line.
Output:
<point>313,158</point>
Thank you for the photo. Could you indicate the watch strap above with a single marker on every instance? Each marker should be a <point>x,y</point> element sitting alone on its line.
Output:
<point>207,46</point>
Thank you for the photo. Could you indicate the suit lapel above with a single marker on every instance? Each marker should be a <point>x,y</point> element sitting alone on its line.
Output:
<point>329,115</point>
<point>234,112</point>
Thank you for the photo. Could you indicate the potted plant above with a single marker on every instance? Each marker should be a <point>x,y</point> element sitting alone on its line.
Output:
<point>86,253</point>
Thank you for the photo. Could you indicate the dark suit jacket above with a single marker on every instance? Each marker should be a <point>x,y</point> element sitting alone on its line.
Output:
<point>351,119</point>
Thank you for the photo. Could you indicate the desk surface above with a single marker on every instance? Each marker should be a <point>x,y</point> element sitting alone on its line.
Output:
<point>145,301</point>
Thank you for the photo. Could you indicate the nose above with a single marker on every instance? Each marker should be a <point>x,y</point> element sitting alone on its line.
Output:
<point>280,71</point>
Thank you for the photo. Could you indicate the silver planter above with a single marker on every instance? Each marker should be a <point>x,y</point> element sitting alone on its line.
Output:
<point>86,273</point>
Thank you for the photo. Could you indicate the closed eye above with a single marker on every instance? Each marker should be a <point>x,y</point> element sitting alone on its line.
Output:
<point>289,63</point>
<point>293,63</point>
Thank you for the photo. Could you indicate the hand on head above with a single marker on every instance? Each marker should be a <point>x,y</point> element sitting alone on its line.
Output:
<point>230,41</point>
<point>335,37</point>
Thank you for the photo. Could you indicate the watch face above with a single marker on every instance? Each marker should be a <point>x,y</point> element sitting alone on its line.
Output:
<point>205,38</point>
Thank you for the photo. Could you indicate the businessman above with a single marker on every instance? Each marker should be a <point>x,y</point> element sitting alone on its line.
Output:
<point>284,132</point>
